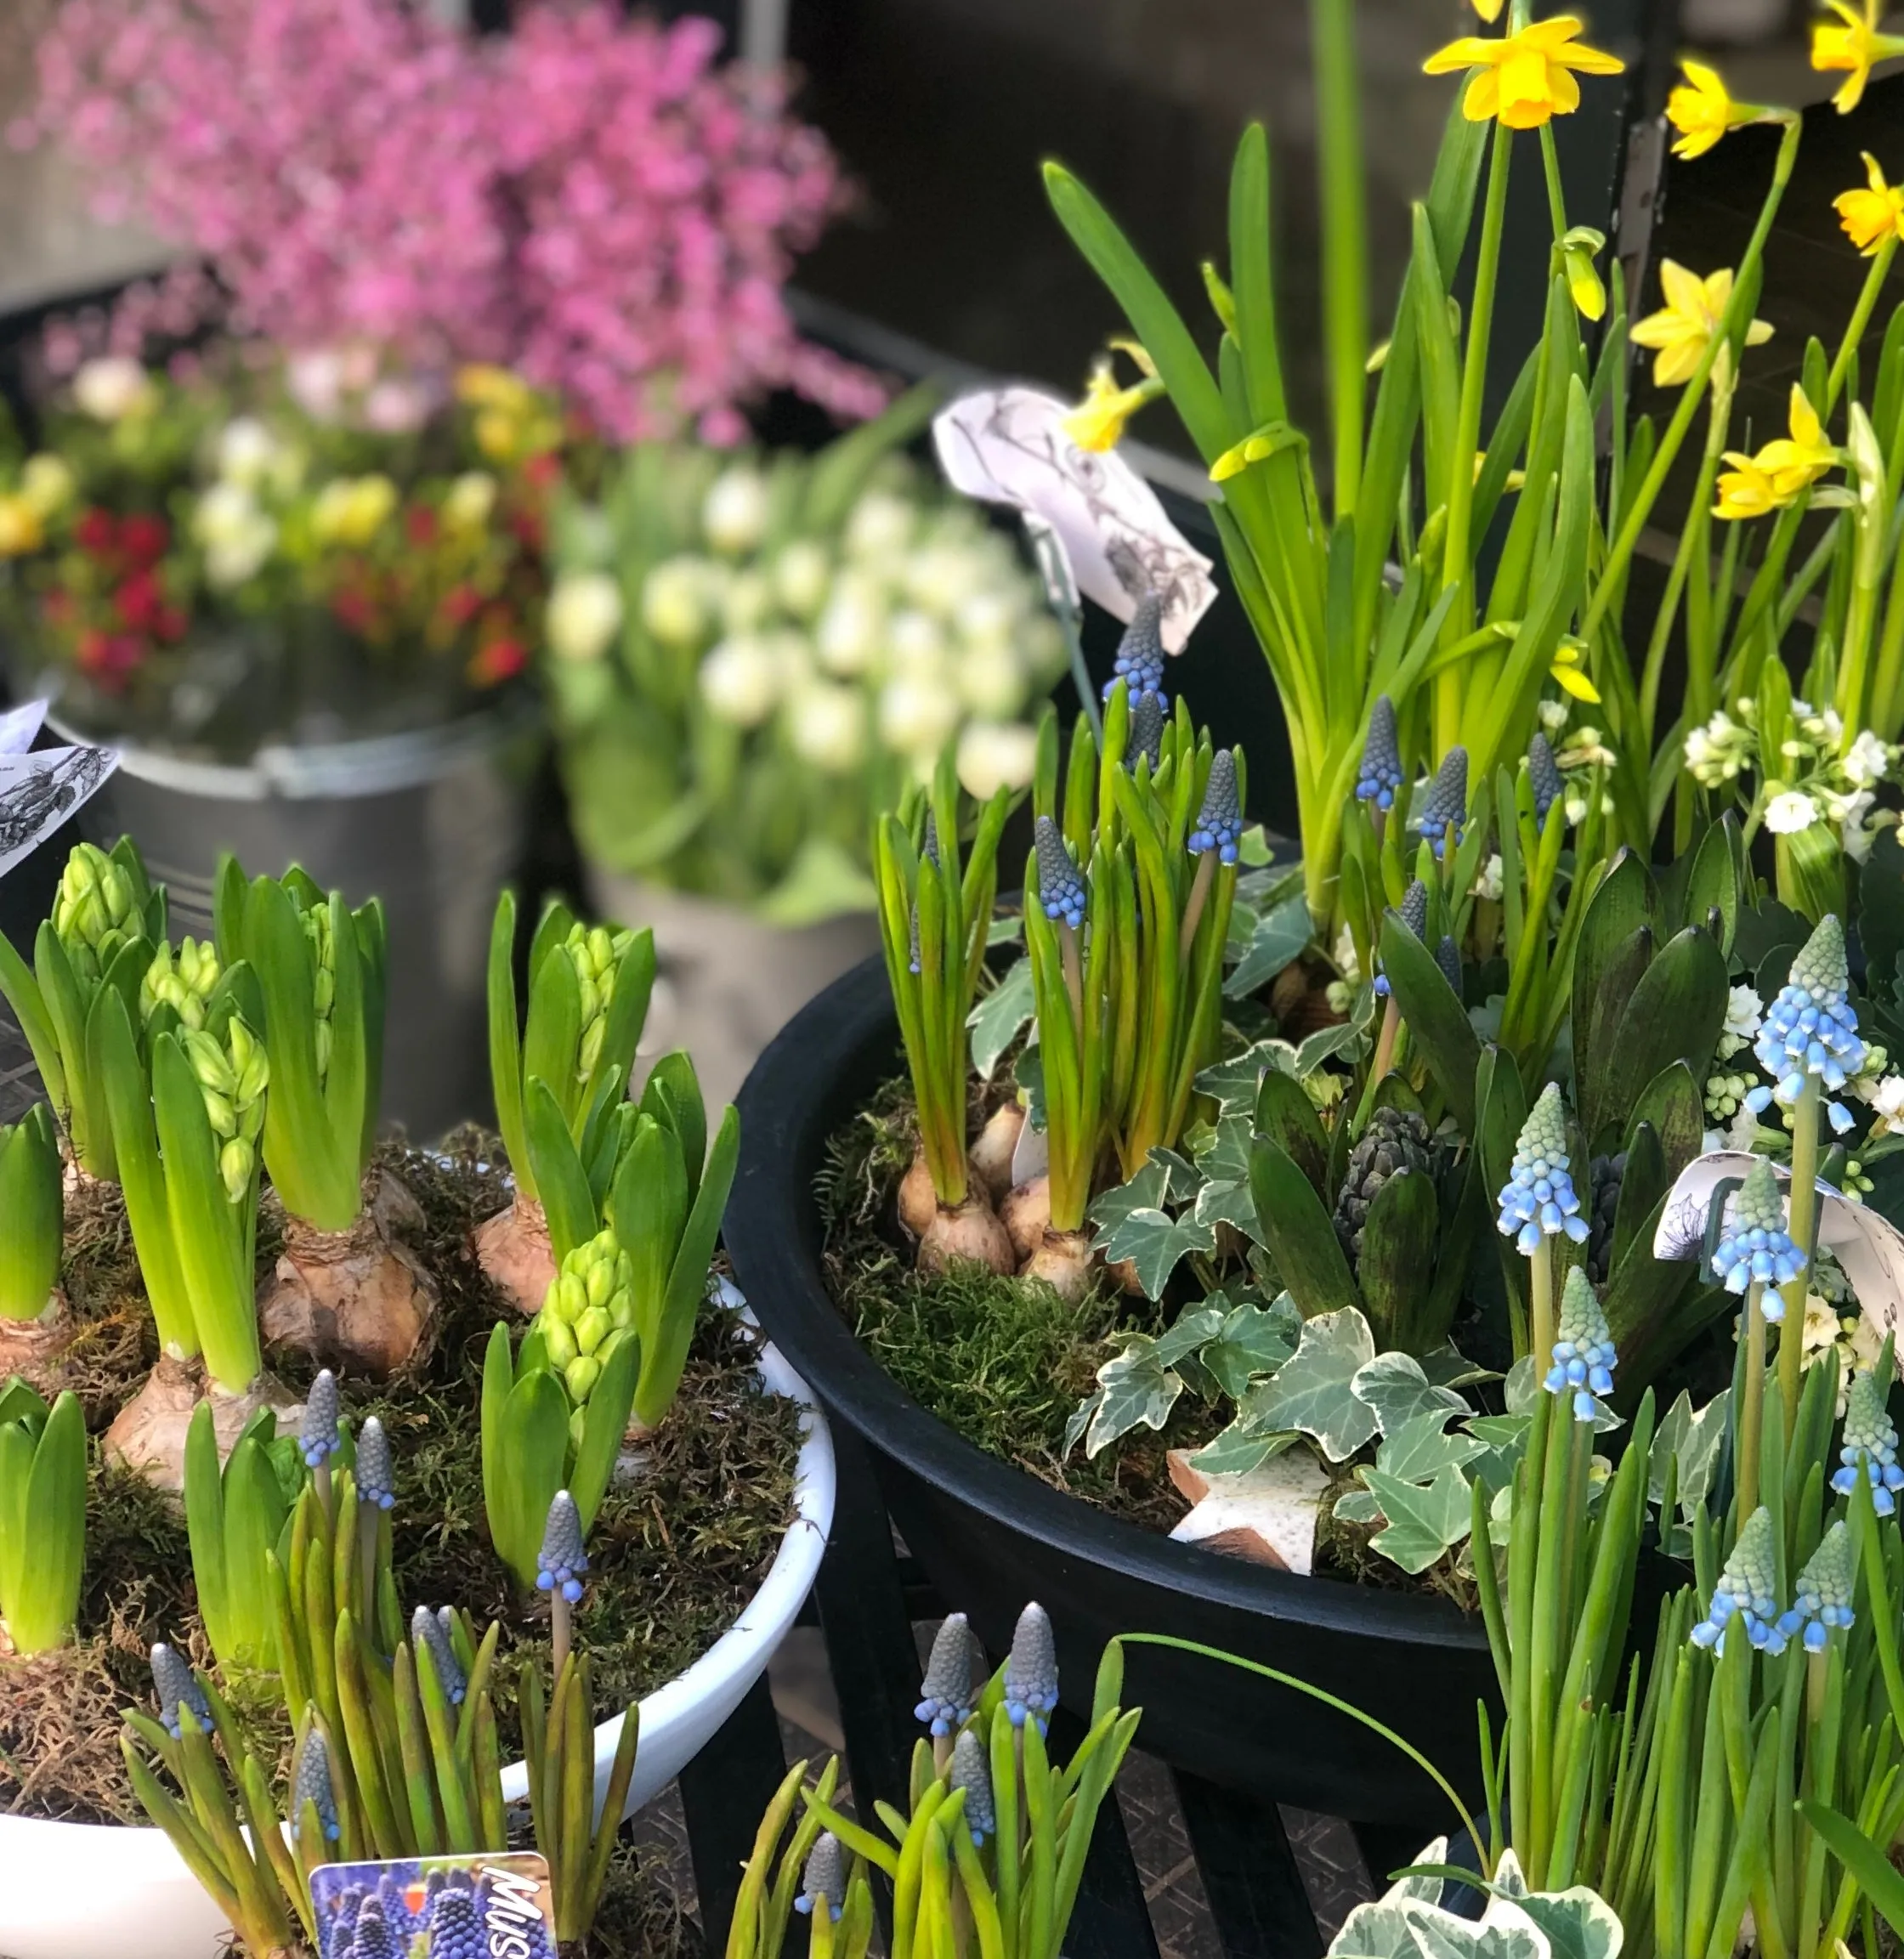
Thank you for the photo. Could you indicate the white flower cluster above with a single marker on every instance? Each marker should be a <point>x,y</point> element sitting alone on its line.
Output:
<point>1813,778</point>
<point>913,627</point>
<point>1726,1088</point>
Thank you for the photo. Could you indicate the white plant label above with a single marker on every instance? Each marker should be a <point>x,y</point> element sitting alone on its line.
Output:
<point>39,791</point>
<point>1008,445</point>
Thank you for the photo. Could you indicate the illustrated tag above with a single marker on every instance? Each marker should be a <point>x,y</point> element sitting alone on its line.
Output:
<point>463,1907</point>
<point>39,791</point>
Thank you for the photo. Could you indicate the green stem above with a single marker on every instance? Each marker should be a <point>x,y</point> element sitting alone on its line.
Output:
<point>1752,1406</point>
<point>1345,237</point>
<point>1802,1199</point>
<point>1861,317</point>
<point>1556,201</point>
<point>1540,1295</point>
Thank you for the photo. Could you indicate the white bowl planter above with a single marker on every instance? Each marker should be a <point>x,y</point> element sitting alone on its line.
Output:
<point>86,1891</point>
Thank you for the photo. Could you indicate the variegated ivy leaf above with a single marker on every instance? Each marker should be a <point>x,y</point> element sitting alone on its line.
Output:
<point>1376,1931</point>
<point>1277,937</point>
<point>1504,1932</point>
<point>1191,1329</point>
<point>1154,1242</point>
<point>1252,1341</point>
<point>1349,1038</point>
<point>1579,1924</point>
<point>1313,1390</point>
<point>1357,1507</point>
<point>1134,1390</point>
<point>1523,1385</point>
<point>1233,1083</point>
<point>1503,1439</point>
<point>1695,1438</point>
<point>1165,1178</point>
<point>1229,1202</point>
<point>998,1019</point>
<point>1221,1151</point>
<point>1419,1450</point>
<point>1007,928</point>
<point>1425,1521</point>
<point>1240,1448</point>
<point>1397,1391</point>
<point>1029,1073</point>
<point>1446,1367</point>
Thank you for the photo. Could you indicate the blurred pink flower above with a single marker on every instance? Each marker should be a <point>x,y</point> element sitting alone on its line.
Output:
<point>586,199</point>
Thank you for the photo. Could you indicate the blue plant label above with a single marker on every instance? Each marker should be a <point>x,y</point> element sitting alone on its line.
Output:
<point>463,1907</point>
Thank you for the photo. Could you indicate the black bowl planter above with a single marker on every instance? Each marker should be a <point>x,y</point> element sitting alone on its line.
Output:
<point>990,1536</point>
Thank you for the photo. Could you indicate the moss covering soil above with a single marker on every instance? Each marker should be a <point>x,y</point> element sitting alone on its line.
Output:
<point>673,1556</point>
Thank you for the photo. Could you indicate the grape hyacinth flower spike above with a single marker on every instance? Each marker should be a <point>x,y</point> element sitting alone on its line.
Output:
<point>1757,1249</point>
<point>824,1877</point>
<point>1584,1355</point>
<point>1380,775</point>
<point>1218,825</point>
<point>1825,1589</point>
<point>375,1479</point>
<point>1415,916</point>
<point>176,1686</point>
<point>1870,1446</point>
<point>1746,1587</point>
<point>945,1693</point>
<point>1443,811</point>
<point>929,851</point>
<point>318,1439</point>
<point>1031,1670</point>
<point>1140,654</point>
<point>1544,773</point>
<point>1538,1199</point>
<point>1061,888</point>
<point>1448,957</point>
<point>426,1629</point>
<point>972,1771</point>
<point>1146,739</point>
<point>562,1561</point>
<point>1811,1029</point>
<point>312,1784</point>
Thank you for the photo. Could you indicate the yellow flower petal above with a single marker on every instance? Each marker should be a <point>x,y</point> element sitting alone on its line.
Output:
<point>1469,52</point>
<point>1575,683</point>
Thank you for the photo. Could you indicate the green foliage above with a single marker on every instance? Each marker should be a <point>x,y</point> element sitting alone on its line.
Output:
<point>238,1515</point>
<point>1409,1919</point>
<point>33,1205</point>
<point>42,1516</point>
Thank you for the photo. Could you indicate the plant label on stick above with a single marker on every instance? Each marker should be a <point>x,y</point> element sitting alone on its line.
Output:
<point>38,792</point>
<point>473,1906</point>
<point>1008,445</point>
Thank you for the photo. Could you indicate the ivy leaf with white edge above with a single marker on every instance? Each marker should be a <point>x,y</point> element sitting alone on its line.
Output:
<point>1348,1038</point>
<point>1446,1367</point>
<point>1253,1341</point>
<point>1579,1924</point>
<point>1134,1390</point>
<point>1007,928</point>
<point>1190,1331</point>
<point>998,1019</point>
<point>1229,1202</point>
<point>1028,1072</point>
<point>1221,1152</point>
<point>1232,1084</point>
<point>1357,1507</point>
<point>1425,1521</point>
<point>1154,1242</point>
<point>1397,1391</point>
<point>1278,936</point>
<point>1503,1440</point>
<point>1241,1447</point>
<point>1313,1390</point>
<point>1421,1449</point>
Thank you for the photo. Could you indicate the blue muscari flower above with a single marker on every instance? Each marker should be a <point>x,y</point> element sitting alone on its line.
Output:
<point>1825,1586</point>
<point>1810,1029</point>
<point>1445,805</point>
<point>1031,1670</point>
<point>312,1784</point>
<point>318,1439</point>
<point>1146,737</point>
<point>1757,1249</point>
<point>1544,773</point>
<point>1869,1447</point>
<point>1219,821</point>
<point>1584,1356</point>
<point>426,1629</point>
<point>1061,888</point>
<point>175,1685</point>
<point>1448,957</point>
<point>825,1876</point>
<point>561,1561</point>
<point>376,1480</point>
<point>972,1771</point>
<point>945,1693</point>
<point>1746,1587</point>
<point>1538,1200</point>
<point>1139,653</point>
<point>1380,775</point>
<point>374,1937</point>
<point>1415,916</point>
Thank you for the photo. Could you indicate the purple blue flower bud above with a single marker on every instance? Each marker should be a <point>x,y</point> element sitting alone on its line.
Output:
<point>1145,741</point>
<point>312,1784</point>
<point>1539,1201</point>
<point>1414,912</point>
<point>1448,957</point>
<point>825,1876</point>
<point>1218,825</point>
<point>1544,773</point>
<point>1584,1357</point>
<point>972,1771</point>
<point>375,1480</point>
<point>1379,780</point>
<point>561,1562</point>
<point>1061,888</point>
<point>945,1693</point>
<point>1757,1249</point>
<point>177,1686</point>
<point>1444,809</point>
<point>426,1629</point>
<point>317,1433</point>
<point>1869,1445</point>
<point>1139,653</point>
<point>1748,1586</point>
<point>1031,1670</point>
<point>1826,1588</point>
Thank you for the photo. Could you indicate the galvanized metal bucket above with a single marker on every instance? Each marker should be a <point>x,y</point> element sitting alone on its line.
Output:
<point>433,822</point>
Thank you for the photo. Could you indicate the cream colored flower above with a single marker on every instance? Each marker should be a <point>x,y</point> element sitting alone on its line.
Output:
<point>1790,811</point>
<point>994,755</point>
<point>585,613</point>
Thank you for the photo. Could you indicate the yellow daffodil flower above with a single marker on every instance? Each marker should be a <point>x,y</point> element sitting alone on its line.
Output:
<point>1873,214</point>
<point>1526,79</point>
<point>1578,249</point>
<point>1855,49</point>
<point>1678,332</point>
<point>20,528</point>
<point>1489,10</point>
<point>1569,673</point>
<point>1098,423</point>
<point>1757,484</point>
<point>1702,108</point>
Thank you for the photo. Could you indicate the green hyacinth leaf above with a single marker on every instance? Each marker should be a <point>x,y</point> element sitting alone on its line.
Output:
<point>567,1199</point>
<point>1712,883</point>
<point>1436,1021</point>
<point>1396,1270</point>
<point>663,1358</point>
<point>533,1458</point>
<point>673,1098</point>
<point>1644,1182</point>
<point>34,1211</point>
<point>553,1036</point>
<point>605,1421</point>
<point>1676,1010</point>
<point>1671,1105</point>
<point>647,1206</point>
<point>1287,1116</point>
<point>506,1042</point>
<point>1299,1233</point>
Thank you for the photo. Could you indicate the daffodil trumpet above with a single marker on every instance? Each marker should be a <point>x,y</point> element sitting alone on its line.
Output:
<point>32,1239</point>
<point>588,992</point>
<point>42,1516</point>
<point>935,911</point>
<point>107,917</point>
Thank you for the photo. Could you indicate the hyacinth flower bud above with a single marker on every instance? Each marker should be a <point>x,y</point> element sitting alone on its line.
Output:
<point>175,1686</point>
<point>375,1479</point>
<point>1538,1200</point>
<point>1757,1249</point>
<point>1584,1357</point>
<point>561,1562</point>
<point>312,1784</point>
<point>1145,742</point>
<point>1444,809</point>
<point>1748,1586</point>
<point>1812,1028</point>
<point>318,1439</point>
<point>824,1877</point>
<point>1218,825</point>
<point>92,910</point>
<point>1061,888</point>
<point>588,1311</point>
<point>180,981</point>
<point>1139,653</point>
<point>1544,773</point>
<point>426,1630</point>
<point>972,1771</point>
<point>1415,916</point>
<point>1869,1447</point>
<point>945,1693</point>
<point>1826,1588</point>
<point>1031,1670</point>
<point>1379,780</point>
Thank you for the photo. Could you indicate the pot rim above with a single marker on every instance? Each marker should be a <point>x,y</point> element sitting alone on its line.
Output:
<point>790,1103</point>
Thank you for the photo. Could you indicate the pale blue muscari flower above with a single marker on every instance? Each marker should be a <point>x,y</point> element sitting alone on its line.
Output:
<point>1218,825</point>
<point>1826,1588</point>
<point>1538,1200</point>
<point>1747,1587</point>
<point>1757,1249</point>
<point>561,1561</point>
<point>1869,1447</point>
<point>1584,1356</point>
<point>1812,1028</point>
<point>972,1771</point>
<point>1031,1669</point>
<point>945,1693</point>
